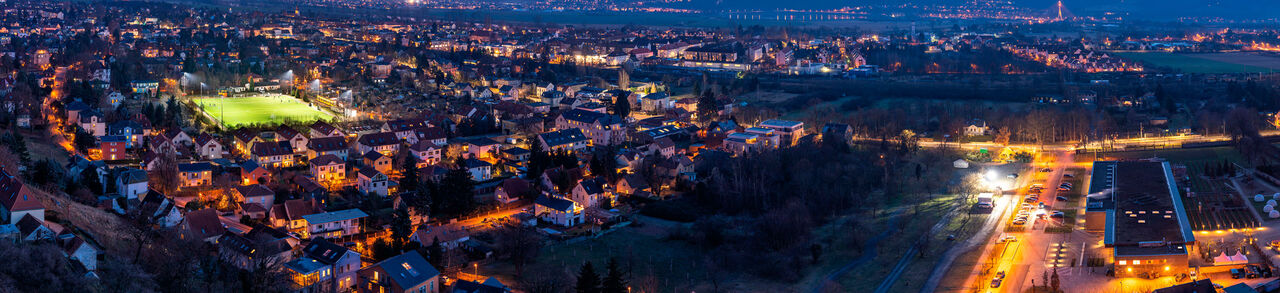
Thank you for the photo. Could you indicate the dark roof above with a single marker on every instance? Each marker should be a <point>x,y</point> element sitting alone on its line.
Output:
<point>326,144</point>
<point>204,223</point>
<point>324,251</point>
<point>286,132</point>
<point>272,148</point>
<point>328,159</point>
<point>254,190</point>
<point>593,185</point>
<point>474,163</point>
<point>558,204</point>
<point>195,167</point>
<point>408,270</point>
<point>429,133</point>
<point>322,127</point>
<point>1143,198</point>
<point>406,124</point>
<point>585,116</point>
<point>379,139</point>
<point>563,137</point>
<point>473,287</point>
<point>14,196</point>
<point>372,156</point>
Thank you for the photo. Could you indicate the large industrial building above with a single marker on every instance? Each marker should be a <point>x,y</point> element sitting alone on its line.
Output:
<point>1137,206</point>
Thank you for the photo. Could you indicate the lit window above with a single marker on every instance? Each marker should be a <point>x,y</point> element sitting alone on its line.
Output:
<point>1121,263</point>
<point>1137,262</point>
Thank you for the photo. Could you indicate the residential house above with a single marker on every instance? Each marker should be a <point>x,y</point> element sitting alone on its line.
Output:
<point>571,140</point>
<point>434,135</point>
<point>256,197</point>
<point>631,184</point>
<point>195,174</point>
<point>131,183</point>
<point>76,249</point>
<point>159,210</point>
<point>261,248</point>
<point>321,129</point>
<point>480,170</point>
<point>253,173</point>
<point>837,132</point>
<point>329,169</point>
<point>208,147</point>
<point>382,142</point>
<point>482,148</point>
<point>377,161</point>
<point>788,131</point>
<point>333,145</point>
<point>591,192</point>
<point>16,201</point>
<point>427,153</point>
<point>333,224</point>
<point>288,215</point>
<point>132,131</point>
<point>93,122</point>
<point>405,273</point>
<point>273,154</point>
<point>976,127</point>
<point>370,180</point>
<point>602,129</point>
<point>114,147</point>
<point>296,139</point>
<point>511,190</point>
<point>202,225</point>
<point>324,267</point>
<point>558,211</point>
<point>178,137</point>
<point>449,236</point>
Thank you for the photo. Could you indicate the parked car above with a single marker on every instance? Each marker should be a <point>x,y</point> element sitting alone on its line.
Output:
<point>1062,198</point>
<point>1057,214</point>
<point>1064,188</point>
<point>1000,274</point>
<point>1252,272</point>
<point>1237,273</point>
<point>995,282</point>
<point>1068,176</point>
<point>1019,222</point>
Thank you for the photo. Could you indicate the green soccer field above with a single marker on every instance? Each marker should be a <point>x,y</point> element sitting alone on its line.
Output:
<point>271,109</point>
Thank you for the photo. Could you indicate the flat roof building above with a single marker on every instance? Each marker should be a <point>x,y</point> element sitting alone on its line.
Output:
<point>1144,221</point>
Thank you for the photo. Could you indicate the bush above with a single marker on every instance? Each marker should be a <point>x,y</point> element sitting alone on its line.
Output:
<point>676,210</point>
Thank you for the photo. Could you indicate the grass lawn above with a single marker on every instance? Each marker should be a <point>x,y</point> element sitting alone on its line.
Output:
<point>234,112</point>
<point>1188,63</point>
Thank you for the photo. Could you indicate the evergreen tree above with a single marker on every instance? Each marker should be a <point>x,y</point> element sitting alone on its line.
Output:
<point>613,280</point>
<point>588,280</point>
<point>435,253</point>
<point>621,107</point>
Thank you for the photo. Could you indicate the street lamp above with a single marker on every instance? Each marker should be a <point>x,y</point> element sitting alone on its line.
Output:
<point>475,270</point>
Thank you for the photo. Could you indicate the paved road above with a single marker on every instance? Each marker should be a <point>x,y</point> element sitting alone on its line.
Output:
<point>982,237</point>
<point>868,252</point>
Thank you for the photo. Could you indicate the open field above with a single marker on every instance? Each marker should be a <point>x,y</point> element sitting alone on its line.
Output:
<point>232,112</point>
<point>1205,63</point>
<point>1196,156</point>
